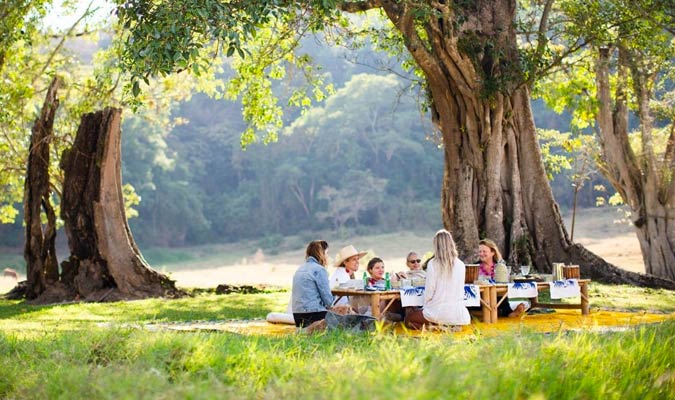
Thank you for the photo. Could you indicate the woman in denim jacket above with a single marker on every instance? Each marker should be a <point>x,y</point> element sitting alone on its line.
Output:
<point>311,296</point>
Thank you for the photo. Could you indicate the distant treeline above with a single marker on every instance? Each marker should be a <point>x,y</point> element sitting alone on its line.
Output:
<point>365,159</point>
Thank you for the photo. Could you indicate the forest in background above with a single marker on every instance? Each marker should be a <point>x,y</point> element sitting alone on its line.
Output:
<point>365,160</point>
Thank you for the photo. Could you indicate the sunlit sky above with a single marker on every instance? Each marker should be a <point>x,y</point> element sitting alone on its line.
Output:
<point>61,18</point>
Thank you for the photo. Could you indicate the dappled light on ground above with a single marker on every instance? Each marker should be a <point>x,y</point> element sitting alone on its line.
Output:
<point>556,322</point>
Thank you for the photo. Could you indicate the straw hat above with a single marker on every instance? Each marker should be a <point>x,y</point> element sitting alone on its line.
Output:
<point>347,252</point>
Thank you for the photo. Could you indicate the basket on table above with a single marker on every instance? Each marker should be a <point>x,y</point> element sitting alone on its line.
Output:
<point>471,273</point>
<point>571,272</point>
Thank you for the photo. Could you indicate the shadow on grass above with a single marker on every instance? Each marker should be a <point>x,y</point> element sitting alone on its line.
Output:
<point>200,307</point>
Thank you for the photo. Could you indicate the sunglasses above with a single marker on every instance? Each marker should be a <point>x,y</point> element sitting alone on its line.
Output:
<point>415,261</point>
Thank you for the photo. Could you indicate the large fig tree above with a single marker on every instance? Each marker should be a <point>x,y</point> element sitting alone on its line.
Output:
<point>477,88</point>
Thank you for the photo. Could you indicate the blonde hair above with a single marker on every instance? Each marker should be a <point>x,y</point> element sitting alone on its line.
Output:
<point>445,252</point>
<point>492,246</point>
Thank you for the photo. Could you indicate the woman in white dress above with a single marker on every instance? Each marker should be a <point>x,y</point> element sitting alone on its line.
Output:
<point>444,291</point>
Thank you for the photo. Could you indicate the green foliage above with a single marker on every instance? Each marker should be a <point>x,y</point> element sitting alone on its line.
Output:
<point>18,20</point>
<point>274,190</point>
<point>272,53</point>
<point>166,38</point>
<point>163,256</point>
<point>88,63</point>
<point>271,243</point>
<point>573,91</point>
<point>550,141</point>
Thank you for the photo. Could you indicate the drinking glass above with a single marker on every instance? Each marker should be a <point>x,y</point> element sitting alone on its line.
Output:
<point>524,269</point>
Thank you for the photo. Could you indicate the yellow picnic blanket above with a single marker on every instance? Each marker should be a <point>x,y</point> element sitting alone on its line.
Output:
<point>560,320</point>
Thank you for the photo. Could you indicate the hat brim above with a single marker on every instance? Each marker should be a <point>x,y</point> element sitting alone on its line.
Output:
<point>359,254</point>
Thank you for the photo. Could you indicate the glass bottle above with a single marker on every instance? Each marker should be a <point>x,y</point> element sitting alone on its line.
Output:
<point>365,279</point>
<point>387,281</point>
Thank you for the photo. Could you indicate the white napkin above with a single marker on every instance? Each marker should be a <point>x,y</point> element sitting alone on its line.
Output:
<point>522,290</point>
<point>412,297</point>
<point>564,288</point>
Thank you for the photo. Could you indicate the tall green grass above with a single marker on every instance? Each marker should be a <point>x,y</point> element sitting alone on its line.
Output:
<point>102,351</point>
<point>134,364</point>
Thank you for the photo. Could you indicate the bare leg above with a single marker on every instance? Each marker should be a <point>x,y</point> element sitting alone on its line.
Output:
<point>518,311</point>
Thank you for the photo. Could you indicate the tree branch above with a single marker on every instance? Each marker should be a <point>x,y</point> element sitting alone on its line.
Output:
<point>669,155</point>
<point>542,40</point>
<point>360,6</point>
<point>62,41</point>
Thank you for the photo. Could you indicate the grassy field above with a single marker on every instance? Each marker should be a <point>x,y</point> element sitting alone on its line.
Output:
<point>103,351</point>
<point>112,351</point>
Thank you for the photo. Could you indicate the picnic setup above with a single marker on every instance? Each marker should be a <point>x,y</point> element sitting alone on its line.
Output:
<point>484,297</point>
<point>487,296</point>
<point>567,309</point>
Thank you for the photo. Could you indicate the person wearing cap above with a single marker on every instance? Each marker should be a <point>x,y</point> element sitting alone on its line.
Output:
<point>347,263</point>
<point>311,297</point>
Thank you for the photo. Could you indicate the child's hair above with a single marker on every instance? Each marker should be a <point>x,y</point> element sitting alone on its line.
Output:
<point>372,262</point>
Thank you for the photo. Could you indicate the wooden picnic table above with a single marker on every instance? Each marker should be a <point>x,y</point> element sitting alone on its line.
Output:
<point>376,296</point>
<point>491,296</point>
<point>500,290</point>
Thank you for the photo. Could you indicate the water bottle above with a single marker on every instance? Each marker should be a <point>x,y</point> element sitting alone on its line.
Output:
<point>387,281</point>
<point>365,280</point>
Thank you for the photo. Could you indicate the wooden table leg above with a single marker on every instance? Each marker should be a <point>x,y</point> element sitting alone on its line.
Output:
<point>585,306</point>
<point>493,304</point>
<point>485,305</point>
<point>391,301</point>
<point>375,305</point>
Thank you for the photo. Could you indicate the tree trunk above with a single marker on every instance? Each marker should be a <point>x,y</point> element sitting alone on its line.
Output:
<point>649,193</point>
<point>105,263</point>
<point>39,249</point>
<point>494,184</point>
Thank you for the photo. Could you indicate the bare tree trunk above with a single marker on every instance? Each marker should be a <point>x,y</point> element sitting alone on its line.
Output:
<point>494,184</point>
<point>649,193</point>
<point>105,263</point>
<point>39,249</point>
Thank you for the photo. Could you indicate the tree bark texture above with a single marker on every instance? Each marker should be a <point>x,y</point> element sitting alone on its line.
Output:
<point>39,248</point>
<point>495,184</point>
<point>645,183</point>
<point>105,263</point>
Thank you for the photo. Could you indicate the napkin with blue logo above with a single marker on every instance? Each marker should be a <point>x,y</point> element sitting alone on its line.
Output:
<point>412,296</point>
<point>522,290</point>
<point>471,296</point>
<point>565,288</point>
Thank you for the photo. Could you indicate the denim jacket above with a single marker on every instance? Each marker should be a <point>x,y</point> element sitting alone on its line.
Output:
<point>311,292</point>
